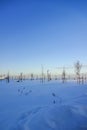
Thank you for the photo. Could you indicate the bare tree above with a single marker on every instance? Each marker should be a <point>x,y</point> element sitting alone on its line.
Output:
<point>82,79</point>
<point>85,78</point>
<point>78,67</point>
<point>21,77</point>
<point>32,76</point>
<point>63,76</point>
<point>48,75</point>
<point>8,78</point>
<point>42,73</point>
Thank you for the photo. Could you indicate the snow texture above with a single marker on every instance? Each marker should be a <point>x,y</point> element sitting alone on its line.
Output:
<point>31,105</point>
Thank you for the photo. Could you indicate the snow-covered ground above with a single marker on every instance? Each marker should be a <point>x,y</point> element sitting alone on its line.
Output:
<point>31,105</point>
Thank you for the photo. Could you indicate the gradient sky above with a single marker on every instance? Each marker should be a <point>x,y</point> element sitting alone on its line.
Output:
<point>48,32</point>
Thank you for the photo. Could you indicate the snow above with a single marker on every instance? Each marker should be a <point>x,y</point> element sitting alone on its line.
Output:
<point>31,105</point>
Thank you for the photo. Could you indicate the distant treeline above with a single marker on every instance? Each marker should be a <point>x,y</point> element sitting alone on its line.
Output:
<point>77,75</point>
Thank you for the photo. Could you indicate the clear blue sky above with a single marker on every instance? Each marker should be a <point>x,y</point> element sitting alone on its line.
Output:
<point>48,32</point>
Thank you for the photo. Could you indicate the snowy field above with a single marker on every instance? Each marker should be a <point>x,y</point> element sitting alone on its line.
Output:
<point>31,105</point>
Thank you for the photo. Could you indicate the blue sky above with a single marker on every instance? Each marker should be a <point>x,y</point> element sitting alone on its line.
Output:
<point>48,32</point>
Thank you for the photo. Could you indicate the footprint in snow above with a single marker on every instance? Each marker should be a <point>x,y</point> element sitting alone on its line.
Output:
<point>28,92</point>
<point>53,94</point>
<point>18,90</point>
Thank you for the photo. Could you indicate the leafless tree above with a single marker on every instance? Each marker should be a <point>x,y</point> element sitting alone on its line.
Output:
<point>82,79</point>
<point>8,78</point>
<point>21,77</point>
<point>48,75</point>
<point>42,73</point>
<point>32,76</point>
<point>78,67</point>
<point>63,76</point>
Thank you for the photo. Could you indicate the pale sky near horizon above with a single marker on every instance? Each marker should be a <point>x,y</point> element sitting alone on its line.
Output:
<point>48,32</point>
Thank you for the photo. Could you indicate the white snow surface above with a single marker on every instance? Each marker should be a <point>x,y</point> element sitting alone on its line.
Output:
<point>31,105</point>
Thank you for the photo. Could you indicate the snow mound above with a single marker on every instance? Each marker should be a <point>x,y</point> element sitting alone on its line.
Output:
<point>54,117</point>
